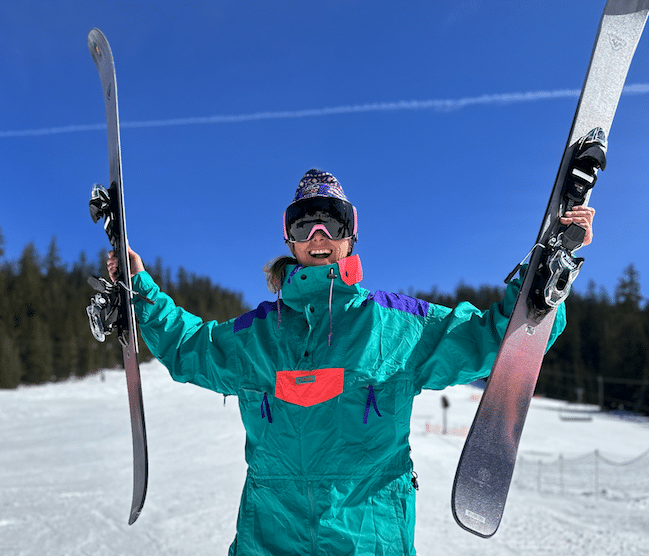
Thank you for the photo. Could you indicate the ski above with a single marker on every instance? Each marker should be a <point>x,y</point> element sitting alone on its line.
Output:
<point>487,461</point>
<point>111,308</point>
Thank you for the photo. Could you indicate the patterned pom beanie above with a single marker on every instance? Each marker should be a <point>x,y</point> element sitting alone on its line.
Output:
<point>316,183</point>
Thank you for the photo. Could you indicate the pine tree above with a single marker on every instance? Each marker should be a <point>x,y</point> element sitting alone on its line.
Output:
<point>56,302</point>
<point>597,340</point>
<point>627,292</point>
<point>10,365</point>
<point>643,393</point>
<point>37,352</point>
<point>631,341</point>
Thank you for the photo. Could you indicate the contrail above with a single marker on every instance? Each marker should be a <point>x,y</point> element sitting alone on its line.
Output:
<point>438,105</point>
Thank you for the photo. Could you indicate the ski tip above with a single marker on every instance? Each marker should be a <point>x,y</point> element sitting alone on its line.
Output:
<point>98,45</point>
<point>94,45</point>
<point>95,32</point>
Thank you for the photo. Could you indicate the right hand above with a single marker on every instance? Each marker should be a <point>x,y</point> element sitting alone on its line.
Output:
<point>583,216</point>
<point>112,264</point>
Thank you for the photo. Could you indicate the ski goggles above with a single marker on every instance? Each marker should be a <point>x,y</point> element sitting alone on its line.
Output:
<point>335,217</point>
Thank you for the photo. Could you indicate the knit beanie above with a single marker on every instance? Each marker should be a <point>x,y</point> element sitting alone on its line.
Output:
<point>316,183</point>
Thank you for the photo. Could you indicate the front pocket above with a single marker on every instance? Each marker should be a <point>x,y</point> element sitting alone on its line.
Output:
<point>307,388</point>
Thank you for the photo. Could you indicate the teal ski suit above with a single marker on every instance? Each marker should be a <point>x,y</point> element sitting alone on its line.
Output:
<point>325,380</point>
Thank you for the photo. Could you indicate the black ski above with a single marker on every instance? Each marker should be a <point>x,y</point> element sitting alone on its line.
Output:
<point>111,308</point>
<point>487,462</point>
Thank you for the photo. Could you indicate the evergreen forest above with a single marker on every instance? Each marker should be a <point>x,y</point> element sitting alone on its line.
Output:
<point>601,358</point>
<point>44,330</point>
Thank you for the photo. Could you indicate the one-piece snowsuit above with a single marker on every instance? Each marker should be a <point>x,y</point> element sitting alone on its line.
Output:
<point>326,379</point>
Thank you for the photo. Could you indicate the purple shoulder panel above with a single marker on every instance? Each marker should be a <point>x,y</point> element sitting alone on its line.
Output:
<point>261,312</point>
<point>401,302</point>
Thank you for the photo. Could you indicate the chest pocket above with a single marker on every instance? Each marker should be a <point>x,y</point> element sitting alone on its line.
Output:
<point>307,388</point>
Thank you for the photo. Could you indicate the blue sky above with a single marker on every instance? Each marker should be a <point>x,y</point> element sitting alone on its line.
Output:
<point>444,193</point>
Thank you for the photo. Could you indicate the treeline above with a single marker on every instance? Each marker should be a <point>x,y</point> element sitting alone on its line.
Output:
<point>603,355</point>
<point>44,330</point>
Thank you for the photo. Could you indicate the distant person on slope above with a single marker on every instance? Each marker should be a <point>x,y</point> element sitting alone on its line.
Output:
<point>326,376</point>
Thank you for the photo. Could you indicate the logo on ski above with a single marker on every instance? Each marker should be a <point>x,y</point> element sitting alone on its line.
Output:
<point>616,42</point>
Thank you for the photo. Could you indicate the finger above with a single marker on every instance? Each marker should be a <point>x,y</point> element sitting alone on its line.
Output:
<point>576,219</point>
<point>583,207</point>
<point>581,210</point>
<point>586,212</point>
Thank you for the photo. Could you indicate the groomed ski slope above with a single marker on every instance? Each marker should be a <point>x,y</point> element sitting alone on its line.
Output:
<point>65,475</point>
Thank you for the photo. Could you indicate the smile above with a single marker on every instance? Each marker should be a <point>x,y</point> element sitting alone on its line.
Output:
<point>320,253</point>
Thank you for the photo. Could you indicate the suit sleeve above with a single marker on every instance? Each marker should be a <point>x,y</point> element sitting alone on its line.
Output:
<point>202,353</point>
<point>460,345</point>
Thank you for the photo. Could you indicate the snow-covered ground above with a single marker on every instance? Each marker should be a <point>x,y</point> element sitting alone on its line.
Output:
<point>65,475</point>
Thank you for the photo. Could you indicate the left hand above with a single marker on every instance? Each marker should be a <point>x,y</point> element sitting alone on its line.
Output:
<point>582,216</point>
<point>112,264</point>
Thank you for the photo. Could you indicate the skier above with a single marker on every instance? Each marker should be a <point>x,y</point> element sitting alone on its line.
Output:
<point>326,376</point>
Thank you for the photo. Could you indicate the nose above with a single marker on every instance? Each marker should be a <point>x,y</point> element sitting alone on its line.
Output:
<point>318,235</point>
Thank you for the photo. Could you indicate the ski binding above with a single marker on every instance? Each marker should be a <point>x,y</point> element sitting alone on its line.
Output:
<point>558,267</point>
<point>103,310</point>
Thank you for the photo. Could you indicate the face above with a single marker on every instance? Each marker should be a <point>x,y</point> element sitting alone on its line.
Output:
<point>320,250</point>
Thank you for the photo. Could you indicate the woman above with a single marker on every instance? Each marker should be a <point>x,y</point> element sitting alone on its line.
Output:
<point>326,377</point>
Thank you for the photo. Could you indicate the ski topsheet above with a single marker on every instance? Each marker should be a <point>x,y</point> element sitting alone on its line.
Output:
<point>113,306</point>
<point>487,462</point>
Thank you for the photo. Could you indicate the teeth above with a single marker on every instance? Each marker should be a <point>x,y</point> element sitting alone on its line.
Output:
<point>320,252</point>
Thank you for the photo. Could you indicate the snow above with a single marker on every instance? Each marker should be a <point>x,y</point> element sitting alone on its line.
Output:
<point>66,475</point>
